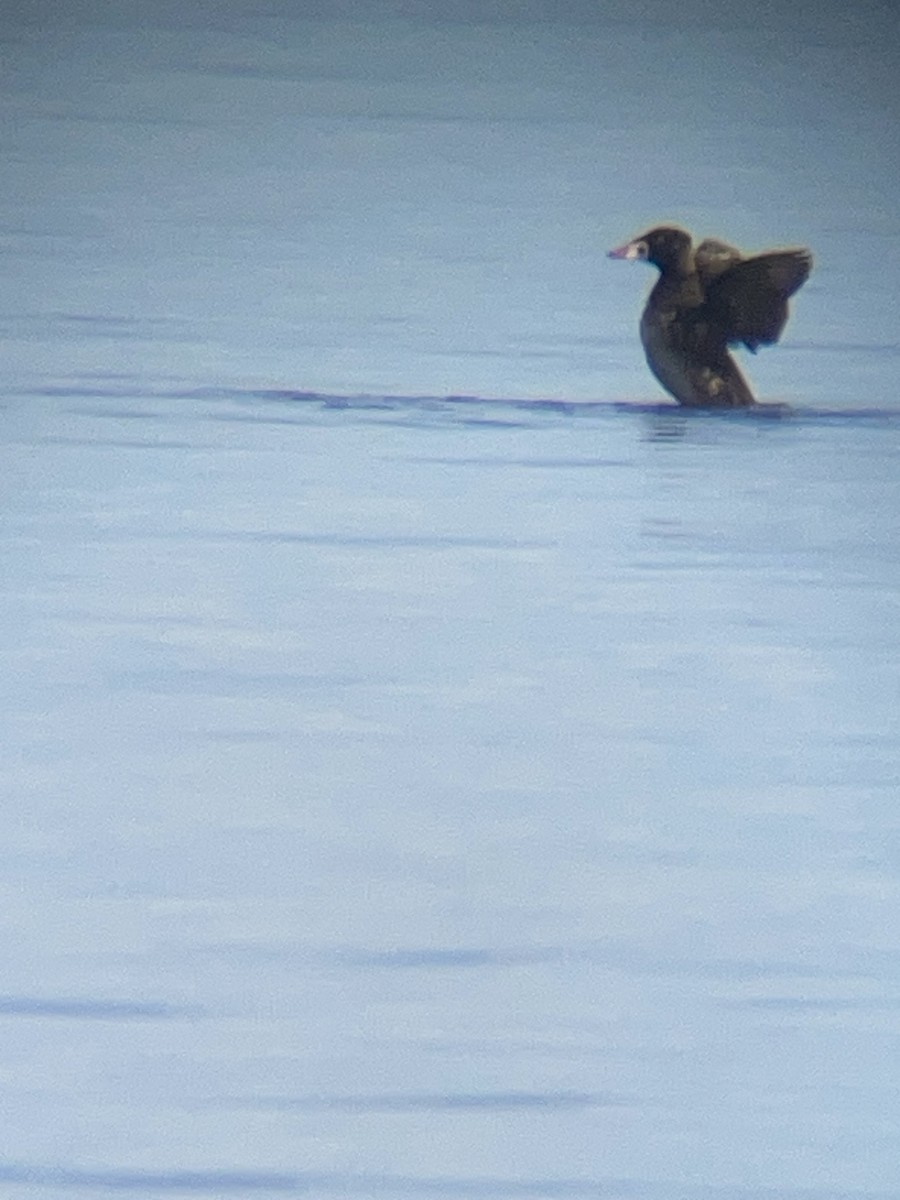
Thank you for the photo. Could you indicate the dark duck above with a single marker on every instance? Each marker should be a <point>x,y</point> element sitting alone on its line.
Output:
<point>705,300</point>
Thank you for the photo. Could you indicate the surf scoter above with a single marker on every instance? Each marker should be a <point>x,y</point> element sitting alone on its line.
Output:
<point>705,300</point>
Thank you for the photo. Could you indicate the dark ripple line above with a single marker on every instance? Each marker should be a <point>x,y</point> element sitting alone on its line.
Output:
<point>539,463</point>
<point>405,541</point>
<point>552,404</point>
<point>786,1004</point>
<point>305,1182</point>
<point>624,957</point>
<point>557,405</point>
<point>437,1102</point>
<point>439,957</point>
<point>97,1010</point>
<point>118,443</point>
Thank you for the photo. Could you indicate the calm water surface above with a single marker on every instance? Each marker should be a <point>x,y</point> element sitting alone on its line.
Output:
<point>422,797</point>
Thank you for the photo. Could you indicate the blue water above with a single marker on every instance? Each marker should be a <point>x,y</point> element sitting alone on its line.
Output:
<point>434,765</point>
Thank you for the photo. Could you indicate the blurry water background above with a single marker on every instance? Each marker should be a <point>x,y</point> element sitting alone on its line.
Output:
<point>429,768</point>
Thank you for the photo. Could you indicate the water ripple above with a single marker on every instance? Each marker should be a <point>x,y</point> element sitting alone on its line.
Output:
<point>219,1183</point>
<point>95,1010</point>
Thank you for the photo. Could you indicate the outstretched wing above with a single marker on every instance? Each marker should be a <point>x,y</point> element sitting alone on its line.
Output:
<point>748,301</point>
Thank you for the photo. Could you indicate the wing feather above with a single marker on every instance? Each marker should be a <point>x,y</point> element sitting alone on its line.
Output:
<point>748,302</point>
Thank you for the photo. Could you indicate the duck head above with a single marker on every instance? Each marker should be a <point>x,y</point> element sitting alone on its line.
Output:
<point>667,247</point>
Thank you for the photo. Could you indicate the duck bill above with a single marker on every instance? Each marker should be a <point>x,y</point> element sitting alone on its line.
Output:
<point>630,250</point>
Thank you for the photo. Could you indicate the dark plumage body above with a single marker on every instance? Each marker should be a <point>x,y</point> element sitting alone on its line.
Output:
<point>705,300</point>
